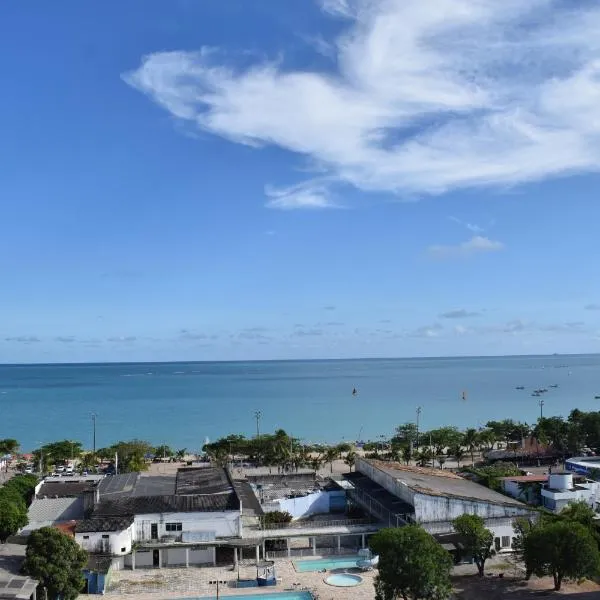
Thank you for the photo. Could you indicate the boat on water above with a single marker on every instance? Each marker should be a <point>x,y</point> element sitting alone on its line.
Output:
<point>596,397</point>
<point>520,387</point>
<point>536,394</point>
<point>554,385</point>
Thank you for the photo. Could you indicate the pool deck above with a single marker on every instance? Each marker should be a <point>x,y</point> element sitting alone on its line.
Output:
<point>159,584</point>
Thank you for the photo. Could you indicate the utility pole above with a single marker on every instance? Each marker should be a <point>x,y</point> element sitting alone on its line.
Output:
<point>257,416</point>
<point>419,409</point>
<point>94,436</point>
<point>541,403</point>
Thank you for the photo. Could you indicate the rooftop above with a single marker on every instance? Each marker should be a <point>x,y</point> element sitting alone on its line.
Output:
<point>105,524</point>
<point>55,509</point>
<point>15,587</point>
<point>436,482</point>
<point>65,489</point>
<point>526,478</point>
<point>114,486</point>
<point>204,481</point>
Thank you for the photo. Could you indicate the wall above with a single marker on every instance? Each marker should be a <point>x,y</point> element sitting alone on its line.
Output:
<point>222,524</point>
<point>557,500</point>
<point>94,542</point>
<point>383,479</point>
<point>444,508</point>
<point>313,504</point>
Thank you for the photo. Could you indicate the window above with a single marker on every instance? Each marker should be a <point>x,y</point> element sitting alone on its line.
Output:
<point>105,536</point>
<point>173,526</point>
<point>506,541</point>
<point>123,549</point>
<point>497,543</point>
<point>86,537</point>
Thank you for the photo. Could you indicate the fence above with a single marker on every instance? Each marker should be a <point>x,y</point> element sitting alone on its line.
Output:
<point>318,524</point>
<point>377,509</point>
<point>308,552</point>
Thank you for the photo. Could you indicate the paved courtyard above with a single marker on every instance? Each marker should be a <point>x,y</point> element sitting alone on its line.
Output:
<point>151,584</point>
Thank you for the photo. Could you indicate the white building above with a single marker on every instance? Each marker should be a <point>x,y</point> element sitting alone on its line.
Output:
<point>432,498</point>
<point>561,491</point>
<point>165,520</point>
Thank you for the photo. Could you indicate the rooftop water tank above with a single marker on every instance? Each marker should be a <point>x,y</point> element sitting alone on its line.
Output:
<point>560,481</point>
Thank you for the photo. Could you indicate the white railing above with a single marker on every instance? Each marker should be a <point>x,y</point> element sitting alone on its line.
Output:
<point>318,524</point>
<point>308,552</point>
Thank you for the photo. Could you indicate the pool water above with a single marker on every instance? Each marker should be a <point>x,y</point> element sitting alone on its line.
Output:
<point>328,564</point>
<point>343,580</point>
<point>265,596</point>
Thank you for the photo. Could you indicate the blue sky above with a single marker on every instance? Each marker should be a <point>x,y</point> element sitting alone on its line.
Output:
<point>199,180</point>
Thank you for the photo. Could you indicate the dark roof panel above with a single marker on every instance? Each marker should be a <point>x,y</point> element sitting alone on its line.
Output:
<point>207,480</point>
<point>103,524</point>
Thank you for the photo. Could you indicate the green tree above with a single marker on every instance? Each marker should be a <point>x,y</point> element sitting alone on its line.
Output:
<point>563,549</point>
<point>58,452</point>
<point>330,456</point>
<point>8,446</point>
<point>276,516</point>
<point>412,565</point>
<point>56,561</point>
<point>471,441</point>
<point>477,540</point>
<point>407,454</point>
<point>523,527</point>
<point>406,434</point>
<point>13,516</point>
<point>180,454</point>
<point>350,459</point>
<point>458,452</point>
<point>444,437</point>
<point>163,451</point>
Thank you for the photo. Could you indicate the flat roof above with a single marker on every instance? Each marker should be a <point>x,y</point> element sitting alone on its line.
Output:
<point>526,478</point>
<point>16,587</point>
<point>437,482</point>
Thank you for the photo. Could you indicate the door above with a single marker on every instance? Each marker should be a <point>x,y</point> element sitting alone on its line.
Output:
<point>154,531</point>
<point>156,558</point>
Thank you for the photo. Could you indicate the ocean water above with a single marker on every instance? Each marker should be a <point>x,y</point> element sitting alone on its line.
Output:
<point>183,403</point>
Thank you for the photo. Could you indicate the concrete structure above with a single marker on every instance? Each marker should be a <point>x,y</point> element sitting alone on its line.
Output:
<point>317,503</point>
<point>584,465</point>
<point>14,586</point>
<point>526,488</point>
<point>164,520</point>
<point>432,498</point>
<point>561,490</point>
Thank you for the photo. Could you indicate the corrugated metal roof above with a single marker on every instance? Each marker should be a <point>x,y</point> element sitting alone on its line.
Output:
<point>103,524</point>
<point>55,509</point>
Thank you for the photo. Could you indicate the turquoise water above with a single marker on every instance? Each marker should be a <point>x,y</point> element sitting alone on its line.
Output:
<point>344,580</point>
<point>342,562</point>
<point>182,403</point>
<point>265,596</point>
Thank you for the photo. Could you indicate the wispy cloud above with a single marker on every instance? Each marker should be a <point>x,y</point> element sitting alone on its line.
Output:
<point>329,307</point>
<point>23,339</point>
<point>122,339</point>
<point>307,332</point>
<point>427,97</point>
<point>592,307</point>
<point>470,226</point>
<point>65,339</point>
<point>476,245</point>
<point>303,196</point>
<point>459,313</point>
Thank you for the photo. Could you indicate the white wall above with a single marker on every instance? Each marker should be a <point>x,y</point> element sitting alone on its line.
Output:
<point>443,508</point>
<point>313,504</point>
<point>222,524</point>
<point>93,541</point>
<point>557,500</point>
<point>203,556</point>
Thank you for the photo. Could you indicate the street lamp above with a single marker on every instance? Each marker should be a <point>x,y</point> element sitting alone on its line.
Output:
<point>541,403</point>
<point>419,409</point>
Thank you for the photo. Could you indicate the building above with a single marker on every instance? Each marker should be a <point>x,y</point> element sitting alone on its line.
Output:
<point>526,488</point>
<point>561,490</point>
<point>584,465</point>
<point>161,521</point>
<point>400,495</point>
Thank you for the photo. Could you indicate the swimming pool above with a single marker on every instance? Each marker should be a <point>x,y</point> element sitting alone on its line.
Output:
<point>265,596</point>
<point>341,562</point>
<point>343,580</point>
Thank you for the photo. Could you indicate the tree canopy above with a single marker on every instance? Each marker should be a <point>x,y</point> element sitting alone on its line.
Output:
<point>56,561</point>
<point>15,495</point>
<point>563,549</point>
<point>8,446</point>
<point>477,540</point>
<point>412,565</point>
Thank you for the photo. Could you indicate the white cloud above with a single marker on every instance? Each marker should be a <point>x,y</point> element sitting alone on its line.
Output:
<point>472,227</point>
<point>459,313</point>
<point>427,96</point>
<point>476,245</point>
<point>299,196</point>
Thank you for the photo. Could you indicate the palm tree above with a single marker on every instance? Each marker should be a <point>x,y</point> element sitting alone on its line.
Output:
<point>424,457</point>
<point>441,458</point>
<point>471,440</point>
<point>9,446</point>
<point>330,455</point>
<point>350,459</point>
<point>458,453</point>
<point>316,462</point>
<point>180,454</point>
